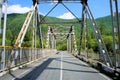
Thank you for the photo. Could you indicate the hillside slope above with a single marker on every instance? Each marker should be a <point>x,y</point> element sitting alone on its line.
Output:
<point>15,22</point>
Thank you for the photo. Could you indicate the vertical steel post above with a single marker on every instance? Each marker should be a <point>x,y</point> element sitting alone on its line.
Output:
<point>4,33</point>
<point>70,42</point>
<point>86,34</point>
<point>5,21</point>
<point>33,31</point>
<point>52,41</point>
<point>67,44</point>
<point>74,40</point>
<point>35,38</point>
<point>39,28</point>
<point>48,38</point>
<point>20,55</point>
<point>85,27</point>
<point>113,33</point>
<point>81,33</point>
<point>1,2</point>
<point>118,25</point>
<point>36,26</point>
<point>55,43</point>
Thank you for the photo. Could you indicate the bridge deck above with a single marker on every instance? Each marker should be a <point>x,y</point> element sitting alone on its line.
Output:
<point>61,66</point>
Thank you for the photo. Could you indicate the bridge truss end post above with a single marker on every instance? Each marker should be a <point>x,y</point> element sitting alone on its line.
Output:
<point>35,1</point>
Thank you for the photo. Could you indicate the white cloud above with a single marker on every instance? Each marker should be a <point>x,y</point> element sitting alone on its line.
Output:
<point>41,14</point>
<point>16,9</point>
<point>55,1</point>
<point>67,15</point>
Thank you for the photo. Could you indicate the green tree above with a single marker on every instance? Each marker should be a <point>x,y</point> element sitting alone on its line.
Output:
<point>108,42</point>
<point>93,44</point>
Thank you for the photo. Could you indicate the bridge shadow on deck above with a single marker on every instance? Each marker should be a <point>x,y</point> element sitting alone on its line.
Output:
<point>73,70</point>
<point>36,72</point>
<point>73,62</point>
<point>70,60</point>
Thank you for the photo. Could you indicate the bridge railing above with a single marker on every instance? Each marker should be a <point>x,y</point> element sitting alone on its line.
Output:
<point>96,57</point>
<point>22,56</point>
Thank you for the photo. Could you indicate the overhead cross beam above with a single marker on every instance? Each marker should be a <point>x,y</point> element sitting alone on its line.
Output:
<point>70,22</point>
<point>59,1</point>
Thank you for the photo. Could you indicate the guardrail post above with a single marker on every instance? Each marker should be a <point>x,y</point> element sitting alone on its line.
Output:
<point>20,55</point>
<point>35,53</point>
<point>3,58</point>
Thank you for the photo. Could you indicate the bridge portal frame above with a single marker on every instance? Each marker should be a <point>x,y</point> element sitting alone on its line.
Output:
<point>86,10</point>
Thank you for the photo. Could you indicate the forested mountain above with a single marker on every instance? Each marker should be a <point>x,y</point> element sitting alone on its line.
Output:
<point>15,22</point>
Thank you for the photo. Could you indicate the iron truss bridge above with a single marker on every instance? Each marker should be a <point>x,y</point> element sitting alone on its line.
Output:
<point>45,62</point>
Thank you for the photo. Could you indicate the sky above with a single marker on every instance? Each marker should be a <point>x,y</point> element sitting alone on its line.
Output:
<point>99,8</point>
